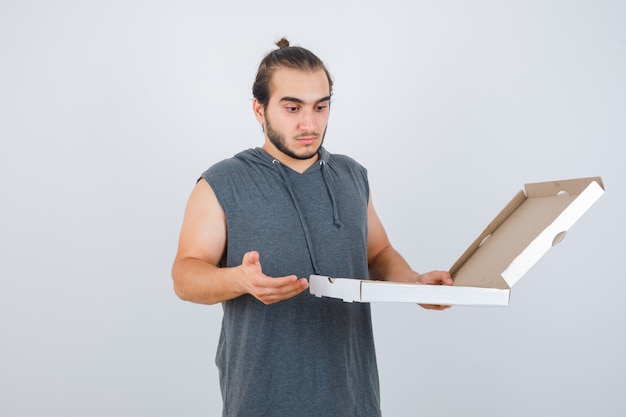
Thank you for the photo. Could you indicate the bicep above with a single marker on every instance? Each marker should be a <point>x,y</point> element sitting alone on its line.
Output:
<point>203,233</point>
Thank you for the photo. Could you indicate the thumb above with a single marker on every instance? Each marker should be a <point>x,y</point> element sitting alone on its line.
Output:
<point>251,258</point>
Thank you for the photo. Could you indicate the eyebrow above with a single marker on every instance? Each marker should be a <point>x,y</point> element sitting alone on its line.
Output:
<point>300,101</point>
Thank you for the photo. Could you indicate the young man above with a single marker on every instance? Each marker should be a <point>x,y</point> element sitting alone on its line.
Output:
<point>257,225</point>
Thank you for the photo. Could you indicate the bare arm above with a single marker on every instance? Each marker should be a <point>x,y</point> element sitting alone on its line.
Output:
<point>386,264</point>
<point>197,276</point>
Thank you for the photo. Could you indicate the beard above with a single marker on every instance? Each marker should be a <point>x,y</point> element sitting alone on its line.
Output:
<point>280,142</point>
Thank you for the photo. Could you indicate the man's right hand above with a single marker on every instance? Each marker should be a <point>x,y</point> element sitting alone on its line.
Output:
<point>268,290</point>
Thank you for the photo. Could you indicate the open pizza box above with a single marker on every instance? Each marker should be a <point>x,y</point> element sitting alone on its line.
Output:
<point>536,219</point>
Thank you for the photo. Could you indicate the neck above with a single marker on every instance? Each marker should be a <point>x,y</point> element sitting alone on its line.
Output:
<point>298,165</point>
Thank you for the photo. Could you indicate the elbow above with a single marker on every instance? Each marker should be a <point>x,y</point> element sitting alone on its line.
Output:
<point>188,285</point>
<point>180,292</point>
<point>178,283</point>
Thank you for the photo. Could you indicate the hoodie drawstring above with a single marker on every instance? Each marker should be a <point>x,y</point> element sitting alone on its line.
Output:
<point>331,193</point>
<point>305,228</point>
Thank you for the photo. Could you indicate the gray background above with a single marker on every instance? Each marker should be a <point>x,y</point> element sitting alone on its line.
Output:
<point>109,111</point>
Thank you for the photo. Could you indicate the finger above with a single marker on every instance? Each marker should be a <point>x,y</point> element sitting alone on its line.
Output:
<point>434,306</point>
<point>270,295</point>
<point>293,290</point>
<point>277,282</point>
<point>281,287</point>
<point>437,278</point>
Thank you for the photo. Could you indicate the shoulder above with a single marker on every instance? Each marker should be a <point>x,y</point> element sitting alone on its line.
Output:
<point>346,163</point>
<point>245,163</point>
<point>223,167</point>
<point>343,159</point>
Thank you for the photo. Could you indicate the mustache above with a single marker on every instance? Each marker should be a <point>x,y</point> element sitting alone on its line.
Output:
<point>307,135</point>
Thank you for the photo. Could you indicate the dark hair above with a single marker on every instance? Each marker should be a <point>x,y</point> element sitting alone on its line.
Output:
<point>294,57</point>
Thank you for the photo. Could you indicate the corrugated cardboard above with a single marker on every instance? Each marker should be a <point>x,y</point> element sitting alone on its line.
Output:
<point>536,219</point>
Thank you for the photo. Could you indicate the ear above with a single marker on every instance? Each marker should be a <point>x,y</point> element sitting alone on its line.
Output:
<point>259,111</point>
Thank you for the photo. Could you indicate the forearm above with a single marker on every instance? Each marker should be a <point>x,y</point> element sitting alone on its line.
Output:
<point>200,282</point>
<point>389,265</point>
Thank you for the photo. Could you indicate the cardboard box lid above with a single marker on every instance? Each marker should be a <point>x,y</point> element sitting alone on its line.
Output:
<point>536,219</point>
<point>529,225</point>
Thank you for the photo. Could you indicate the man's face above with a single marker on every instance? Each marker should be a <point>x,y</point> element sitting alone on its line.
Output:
<point>296,115</point>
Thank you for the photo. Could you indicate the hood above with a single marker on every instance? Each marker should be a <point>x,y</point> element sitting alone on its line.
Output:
<point>261,157</point>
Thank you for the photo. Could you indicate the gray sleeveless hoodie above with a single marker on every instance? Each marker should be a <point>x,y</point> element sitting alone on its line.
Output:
<point>305,356</point>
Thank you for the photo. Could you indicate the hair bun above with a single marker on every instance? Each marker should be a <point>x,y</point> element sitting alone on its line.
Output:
<point>282,43</point>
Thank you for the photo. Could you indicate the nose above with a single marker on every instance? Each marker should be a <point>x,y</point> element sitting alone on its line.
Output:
<point>307,119</point>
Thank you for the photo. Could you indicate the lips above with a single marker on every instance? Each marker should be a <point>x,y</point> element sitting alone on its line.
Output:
<point>307,139</point>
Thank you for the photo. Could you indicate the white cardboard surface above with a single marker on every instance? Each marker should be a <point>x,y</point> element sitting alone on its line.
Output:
<point>529,225</point>
<point>351,290</point>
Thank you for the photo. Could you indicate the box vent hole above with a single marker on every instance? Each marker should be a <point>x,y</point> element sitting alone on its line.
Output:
<point>558,238</point>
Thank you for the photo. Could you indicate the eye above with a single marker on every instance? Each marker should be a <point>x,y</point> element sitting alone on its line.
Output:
<point>321,107</point>
<point>291,109</point>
